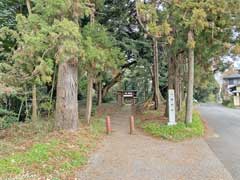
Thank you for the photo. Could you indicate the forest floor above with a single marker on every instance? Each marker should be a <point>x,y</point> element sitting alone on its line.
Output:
<point>33,151</point>
<point>122,156</point>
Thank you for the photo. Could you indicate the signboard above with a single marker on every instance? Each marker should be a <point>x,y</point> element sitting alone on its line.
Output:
<point>171,108</point>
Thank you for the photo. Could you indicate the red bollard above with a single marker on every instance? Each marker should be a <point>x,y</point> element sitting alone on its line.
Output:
<point>108,125</point>
<point>132,128</point>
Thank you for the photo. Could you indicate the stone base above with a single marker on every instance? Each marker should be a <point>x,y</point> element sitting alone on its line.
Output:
<point>172,123</point>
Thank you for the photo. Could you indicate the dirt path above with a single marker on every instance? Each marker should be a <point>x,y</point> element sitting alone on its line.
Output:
<point>139,157</point>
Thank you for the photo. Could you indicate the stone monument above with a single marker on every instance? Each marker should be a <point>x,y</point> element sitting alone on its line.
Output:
<point>171,108</point>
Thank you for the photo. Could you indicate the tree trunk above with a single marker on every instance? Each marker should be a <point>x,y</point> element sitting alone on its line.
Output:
<point>34,89</point>
<point>108,86</point>
<point>20,110</point>
<point>34,103</point>
<point>189,107</point>
<point>29,7</point>
<point>177,82</point>
<point>180,81</point>
<point>145,90</point>
<point>157,93</point>
<point>89,99</point>
<point>67,90</point>
<point>116,79</point>
<point>90,79</point>
<point>153,83</point>
<point>171,73</point>
<point>177,88</point>
<point>99,93</point>
<point>171,83</point>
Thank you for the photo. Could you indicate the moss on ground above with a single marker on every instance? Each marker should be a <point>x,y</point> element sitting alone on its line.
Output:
<point>178,132</point>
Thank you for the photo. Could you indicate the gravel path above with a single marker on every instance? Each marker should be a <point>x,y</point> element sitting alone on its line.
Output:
<point>140,157</point>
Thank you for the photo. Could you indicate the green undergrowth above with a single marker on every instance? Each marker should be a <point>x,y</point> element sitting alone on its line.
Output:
<point>178,132</point>
<point>228,103</point>
<point>55,154</point>
<point>7,118</point>
<point>151,112</point>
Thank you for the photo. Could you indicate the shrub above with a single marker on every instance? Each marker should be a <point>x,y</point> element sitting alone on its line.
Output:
<point>7,121</point>
<point>7,118</point>
<point>5,112</point>
<point>228,103</point>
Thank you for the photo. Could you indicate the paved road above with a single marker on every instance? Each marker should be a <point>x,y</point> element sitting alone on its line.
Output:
<point>225,122</point>
<point>139,157</point>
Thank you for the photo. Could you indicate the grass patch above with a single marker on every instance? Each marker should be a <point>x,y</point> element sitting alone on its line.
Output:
<point>176,133</point>
<point>151,112</point>
<point>50,155</point>
<point>98,127</point>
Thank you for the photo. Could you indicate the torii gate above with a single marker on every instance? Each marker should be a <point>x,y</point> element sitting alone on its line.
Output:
<point>126,94</point>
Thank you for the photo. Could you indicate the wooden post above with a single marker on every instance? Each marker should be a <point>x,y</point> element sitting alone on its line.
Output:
<point>108,125</point>
<point>132,128</point>
<point>122,99</point>
<point>119,98</point>
<point>132,101</point>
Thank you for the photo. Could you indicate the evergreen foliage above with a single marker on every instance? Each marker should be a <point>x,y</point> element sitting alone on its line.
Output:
<point>34,45</point>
